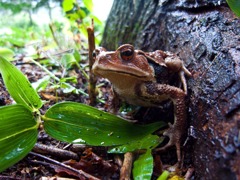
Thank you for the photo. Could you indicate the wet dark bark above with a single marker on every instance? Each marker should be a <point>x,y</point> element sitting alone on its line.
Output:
<point>206,36</point>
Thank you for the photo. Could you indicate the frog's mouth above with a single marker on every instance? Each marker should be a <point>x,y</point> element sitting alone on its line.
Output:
<point>127,71</point>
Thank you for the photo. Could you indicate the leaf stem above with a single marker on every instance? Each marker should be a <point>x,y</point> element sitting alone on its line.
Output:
<point>56,78</point>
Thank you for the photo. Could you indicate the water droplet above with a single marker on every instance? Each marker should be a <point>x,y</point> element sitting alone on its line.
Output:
<point>80,141</point>
<point>110,134</point>
<point>118,136</point>
<point>60,116</point>
<point>102,143</point>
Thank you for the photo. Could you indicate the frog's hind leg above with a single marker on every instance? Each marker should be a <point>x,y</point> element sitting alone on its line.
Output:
<point>173,140</point>
<point>175,130</point>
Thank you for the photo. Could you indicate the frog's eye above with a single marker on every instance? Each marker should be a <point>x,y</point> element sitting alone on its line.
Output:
<point>127,54</point>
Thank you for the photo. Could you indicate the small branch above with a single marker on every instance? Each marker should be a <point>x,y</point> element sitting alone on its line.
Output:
<point>53,34</point>
<point>78,172</point>
<point>63,154</point>
<point>92,77</point>
<point>125,173</point>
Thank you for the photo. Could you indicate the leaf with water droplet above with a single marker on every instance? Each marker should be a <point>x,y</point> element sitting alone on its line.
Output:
<point>82,121</point>
<point>18,86</point>
<point>18,134</point>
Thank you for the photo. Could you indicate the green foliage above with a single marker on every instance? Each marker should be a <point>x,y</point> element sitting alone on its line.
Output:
<point>73,122</point>
<point>143,166</point>
<point>41,84</point>
<point>149,141</point>
<point>68,61</point>
<point>68,5</point>
<point>235,6</point>
<point>18,134</point>
<point>68,121</point>
<point>164,175</point>
<point>7,53</point>
<point>80,17</point>
<point>18,86</point>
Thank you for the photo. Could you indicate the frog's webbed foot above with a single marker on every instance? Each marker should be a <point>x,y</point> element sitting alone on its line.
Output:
<point>174,135</point>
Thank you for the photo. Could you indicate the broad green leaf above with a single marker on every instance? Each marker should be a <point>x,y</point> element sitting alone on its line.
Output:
<point>7,53</point>
<point>18,86</point>
<point>18,134</point>
<point>68,5</point>
<point>235,6</point>
<point>143,166</point>
<point>88,4</point>
<point>148,142</point>
<point>79,123</point>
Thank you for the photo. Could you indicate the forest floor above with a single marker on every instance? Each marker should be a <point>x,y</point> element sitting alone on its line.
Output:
<point>49,157</point>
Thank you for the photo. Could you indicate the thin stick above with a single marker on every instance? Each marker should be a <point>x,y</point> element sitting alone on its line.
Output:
<point>63,154</point>
<point>125,173</point>
<point>92,77</point>
<point>53,34</point>
<point>79,172</point>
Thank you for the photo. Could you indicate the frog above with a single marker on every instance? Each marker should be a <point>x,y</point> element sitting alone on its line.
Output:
<point>144,79</point>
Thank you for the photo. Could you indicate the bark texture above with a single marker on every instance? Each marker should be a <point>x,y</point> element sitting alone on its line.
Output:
<point>206,36</point>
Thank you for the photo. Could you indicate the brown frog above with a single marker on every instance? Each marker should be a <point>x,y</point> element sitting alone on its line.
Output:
<point>143,78</point>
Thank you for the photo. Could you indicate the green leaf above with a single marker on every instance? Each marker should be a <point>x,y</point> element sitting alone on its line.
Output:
<point>143,166</point>
<point>164,175</point>
<point>88,4</point>
<point>81,14</point>
<point>7,53</point>
<point>18,134</point>
<point>235,6</point>
<point>41,84</point>
<point>72,79</point>
<point>148,142</point>
<point>77,55</point>
<point>68,60</point>
<point>68,5</point>
<point>18,86</point>
<point>79,123</point>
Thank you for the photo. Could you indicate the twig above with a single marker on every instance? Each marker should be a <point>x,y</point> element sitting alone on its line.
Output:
<point>92,77</point>
<point>64,154</point>
<point>78,172</point>
<point>53,34</point>
<point>125,173</point>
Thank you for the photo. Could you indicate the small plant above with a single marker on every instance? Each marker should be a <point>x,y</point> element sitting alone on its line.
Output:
<point>69,122</point>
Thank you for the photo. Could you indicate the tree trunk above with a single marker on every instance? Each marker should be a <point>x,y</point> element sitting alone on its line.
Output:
<point>206,36</point>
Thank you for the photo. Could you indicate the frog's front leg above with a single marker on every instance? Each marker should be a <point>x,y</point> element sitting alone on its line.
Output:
<point>176,65</point>
<point>160,92</point>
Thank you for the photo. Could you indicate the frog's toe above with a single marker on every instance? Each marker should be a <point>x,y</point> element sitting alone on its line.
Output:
<point>174,139</point>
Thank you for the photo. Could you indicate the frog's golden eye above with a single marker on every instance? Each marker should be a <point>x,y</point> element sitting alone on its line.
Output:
<point>127,54</point>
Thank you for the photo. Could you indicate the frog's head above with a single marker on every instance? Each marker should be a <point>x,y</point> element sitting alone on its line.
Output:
<point>123,64</point>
